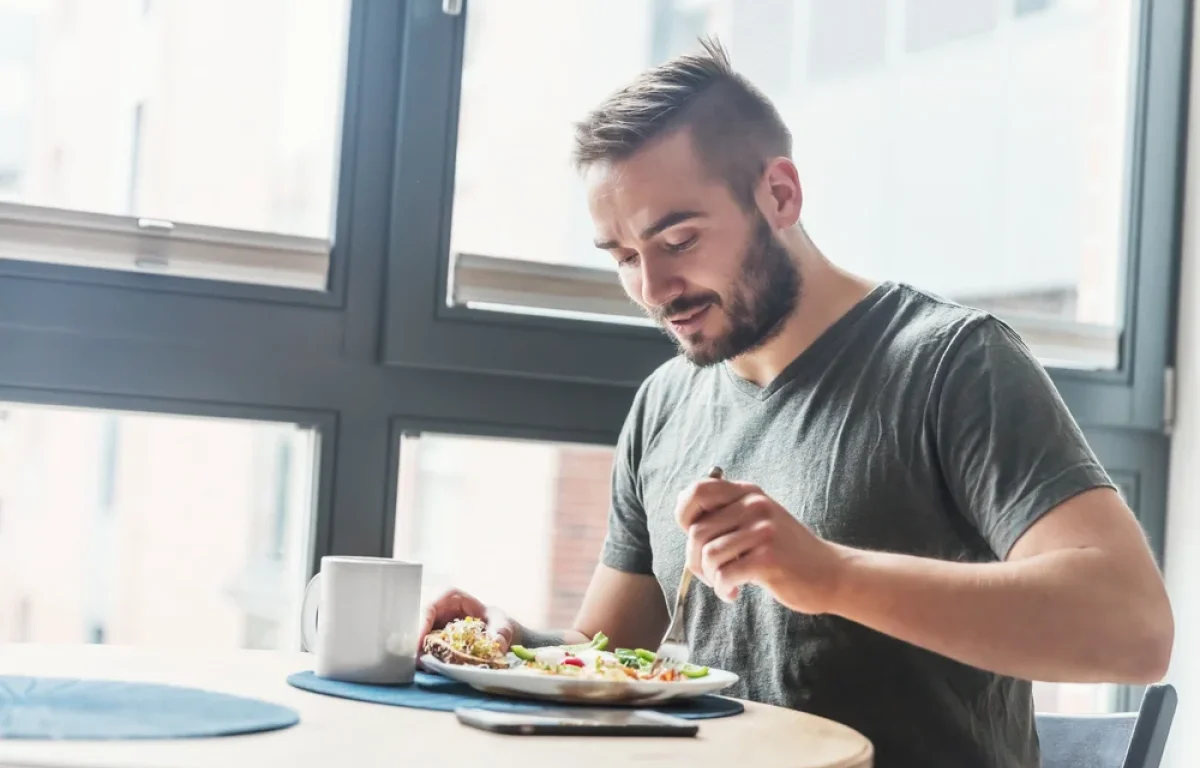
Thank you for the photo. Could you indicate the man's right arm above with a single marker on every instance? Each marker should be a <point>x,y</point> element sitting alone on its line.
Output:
<point>627,607</point>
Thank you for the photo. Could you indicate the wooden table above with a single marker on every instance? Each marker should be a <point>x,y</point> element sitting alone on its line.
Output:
<point>337,732</point>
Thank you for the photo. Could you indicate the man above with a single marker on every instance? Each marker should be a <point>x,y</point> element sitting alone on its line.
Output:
<point>911,525</point>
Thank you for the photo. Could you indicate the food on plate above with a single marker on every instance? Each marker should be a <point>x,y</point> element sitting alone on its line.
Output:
<point>592,662</point>
<point>466,642</point>
<point>597,643</point>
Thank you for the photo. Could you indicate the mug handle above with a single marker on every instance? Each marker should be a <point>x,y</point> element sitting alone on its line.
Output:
<point>308,614</point>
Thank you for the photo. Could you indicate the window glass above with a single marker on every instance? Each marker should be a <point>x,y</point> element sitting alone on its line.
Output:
<point>154,530</point>
<point>225,113</point>
<point>219,114</point>
<point>518,523</point>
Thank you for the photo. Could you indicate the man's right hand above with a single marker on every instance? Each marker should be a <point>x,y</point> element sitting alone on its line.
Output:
<point>457,604</point>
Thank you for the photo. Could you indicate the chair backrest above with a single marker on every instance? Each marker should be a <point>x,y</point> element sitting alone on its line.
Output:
<point>1122,740</point>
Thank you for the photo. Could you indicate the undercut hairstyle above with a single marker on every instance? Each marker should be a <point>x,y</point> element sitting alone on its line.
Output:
<point>735,129</point>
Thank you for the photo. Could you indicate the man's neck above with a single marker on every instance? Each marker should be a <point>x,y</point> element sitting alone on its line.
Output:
<point>827,293</point>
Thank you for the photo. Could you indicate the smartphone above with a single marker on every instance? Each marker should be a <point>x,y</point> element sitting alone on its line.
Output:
<point>577,722</point>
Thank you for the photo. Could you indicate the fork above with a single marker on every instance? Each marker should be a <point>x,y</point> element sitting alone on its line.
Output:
<point>673,650</point>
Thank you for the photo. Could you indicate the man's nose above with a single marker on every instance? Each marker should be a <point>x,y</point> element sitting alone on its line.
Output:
<point>660,283</point>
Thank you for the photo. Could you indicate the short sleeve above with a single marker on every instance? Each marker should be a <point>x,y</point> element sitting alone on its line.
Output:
<point>1010,451</point>
<point>627,542</point>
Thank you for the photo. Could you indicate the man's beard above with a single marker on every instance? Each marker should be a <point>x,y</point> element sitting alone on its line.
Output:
<point>760,301</point>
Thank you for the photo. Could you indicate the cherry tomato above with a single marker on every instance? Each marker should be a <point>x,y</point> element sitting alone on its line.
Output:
<point>571,661</point>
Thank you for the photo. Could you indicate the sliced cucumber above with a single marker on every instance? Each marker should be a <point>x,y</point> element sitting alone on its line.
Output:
<point>644,657</point>
<point>522,653</point>
<point>597,643</point>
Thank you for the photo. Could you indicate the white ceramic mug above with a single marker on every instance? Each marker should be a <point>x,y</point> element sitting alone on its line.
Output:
<point>369,612</point>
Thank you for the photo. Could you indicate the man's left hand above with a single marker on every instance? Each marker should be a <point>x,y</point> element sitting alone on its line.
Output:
<point>738,535</point>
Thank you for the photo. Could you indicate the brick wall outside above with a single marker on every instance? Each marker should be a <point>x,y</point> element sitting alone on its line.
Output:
<point>580,521</point>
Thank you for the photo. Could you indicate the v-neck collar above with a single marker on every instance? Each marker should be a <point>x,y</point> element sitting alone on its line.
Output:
<point>818,350</point>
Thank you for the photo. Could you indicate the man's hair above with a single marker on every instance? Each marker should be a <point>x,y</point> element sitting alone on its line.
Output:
<point>735,129</point>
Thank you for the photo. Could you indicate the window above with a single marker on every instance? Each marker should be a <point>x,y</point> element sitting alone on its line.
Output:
<point>930,23</point>
<point>1075,699</point>
<point>517,523</point>
<point>941,143</point>
<point>1026,7</point>
<point>200,140</point>
<point>846,37</point>
<point>677,25</point>
<point>145,529</point>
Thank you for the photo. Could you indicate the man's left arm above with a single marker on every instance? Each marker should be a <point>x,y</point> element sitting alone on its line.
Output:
<point>1079,599</point>
<point>1076,595</point>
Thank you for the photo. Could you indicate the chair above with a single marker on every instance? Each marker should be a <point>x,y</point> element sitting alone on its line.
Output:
<point>1123,740</point>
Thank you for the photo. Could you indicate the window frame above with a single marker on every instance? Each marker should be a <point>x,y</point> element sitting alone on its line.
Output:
<point>147,247</point>
<point>423,331</point>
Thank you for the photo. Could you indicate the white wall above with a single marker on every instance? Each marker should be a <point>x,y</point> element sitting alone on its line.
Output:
<point>1183,501</point>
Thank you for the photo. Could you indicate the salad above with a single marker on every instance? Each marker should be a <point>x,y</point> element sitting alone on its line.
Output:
<point>467,642</point>
<point>591,661</point>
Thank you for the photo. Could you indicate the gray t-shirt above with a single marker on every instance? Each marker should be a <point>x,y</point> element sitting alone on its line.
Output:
<point>912,425</point>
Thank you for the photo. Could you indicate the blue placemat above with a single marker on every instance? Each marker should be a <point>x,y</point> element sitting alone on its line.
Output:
<point>445,695</point>
<point>68,708</point>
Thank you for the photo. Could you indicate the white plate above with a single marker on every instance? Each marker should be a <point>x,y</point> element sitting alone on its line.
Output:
<point>534,685</point>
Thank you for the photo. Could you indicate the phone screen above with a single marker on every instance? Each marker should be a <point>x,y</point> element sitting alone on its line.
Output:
<point>581,721</point>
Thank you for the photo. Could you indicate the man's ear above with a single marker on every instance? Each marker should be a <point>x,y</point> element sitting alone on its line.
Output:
<point>780,194</point>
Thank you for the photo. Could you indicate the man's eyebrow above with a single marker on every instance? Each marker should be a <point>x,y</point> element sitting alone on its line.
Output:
<point>668,221</point>
<point>663,223</point>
